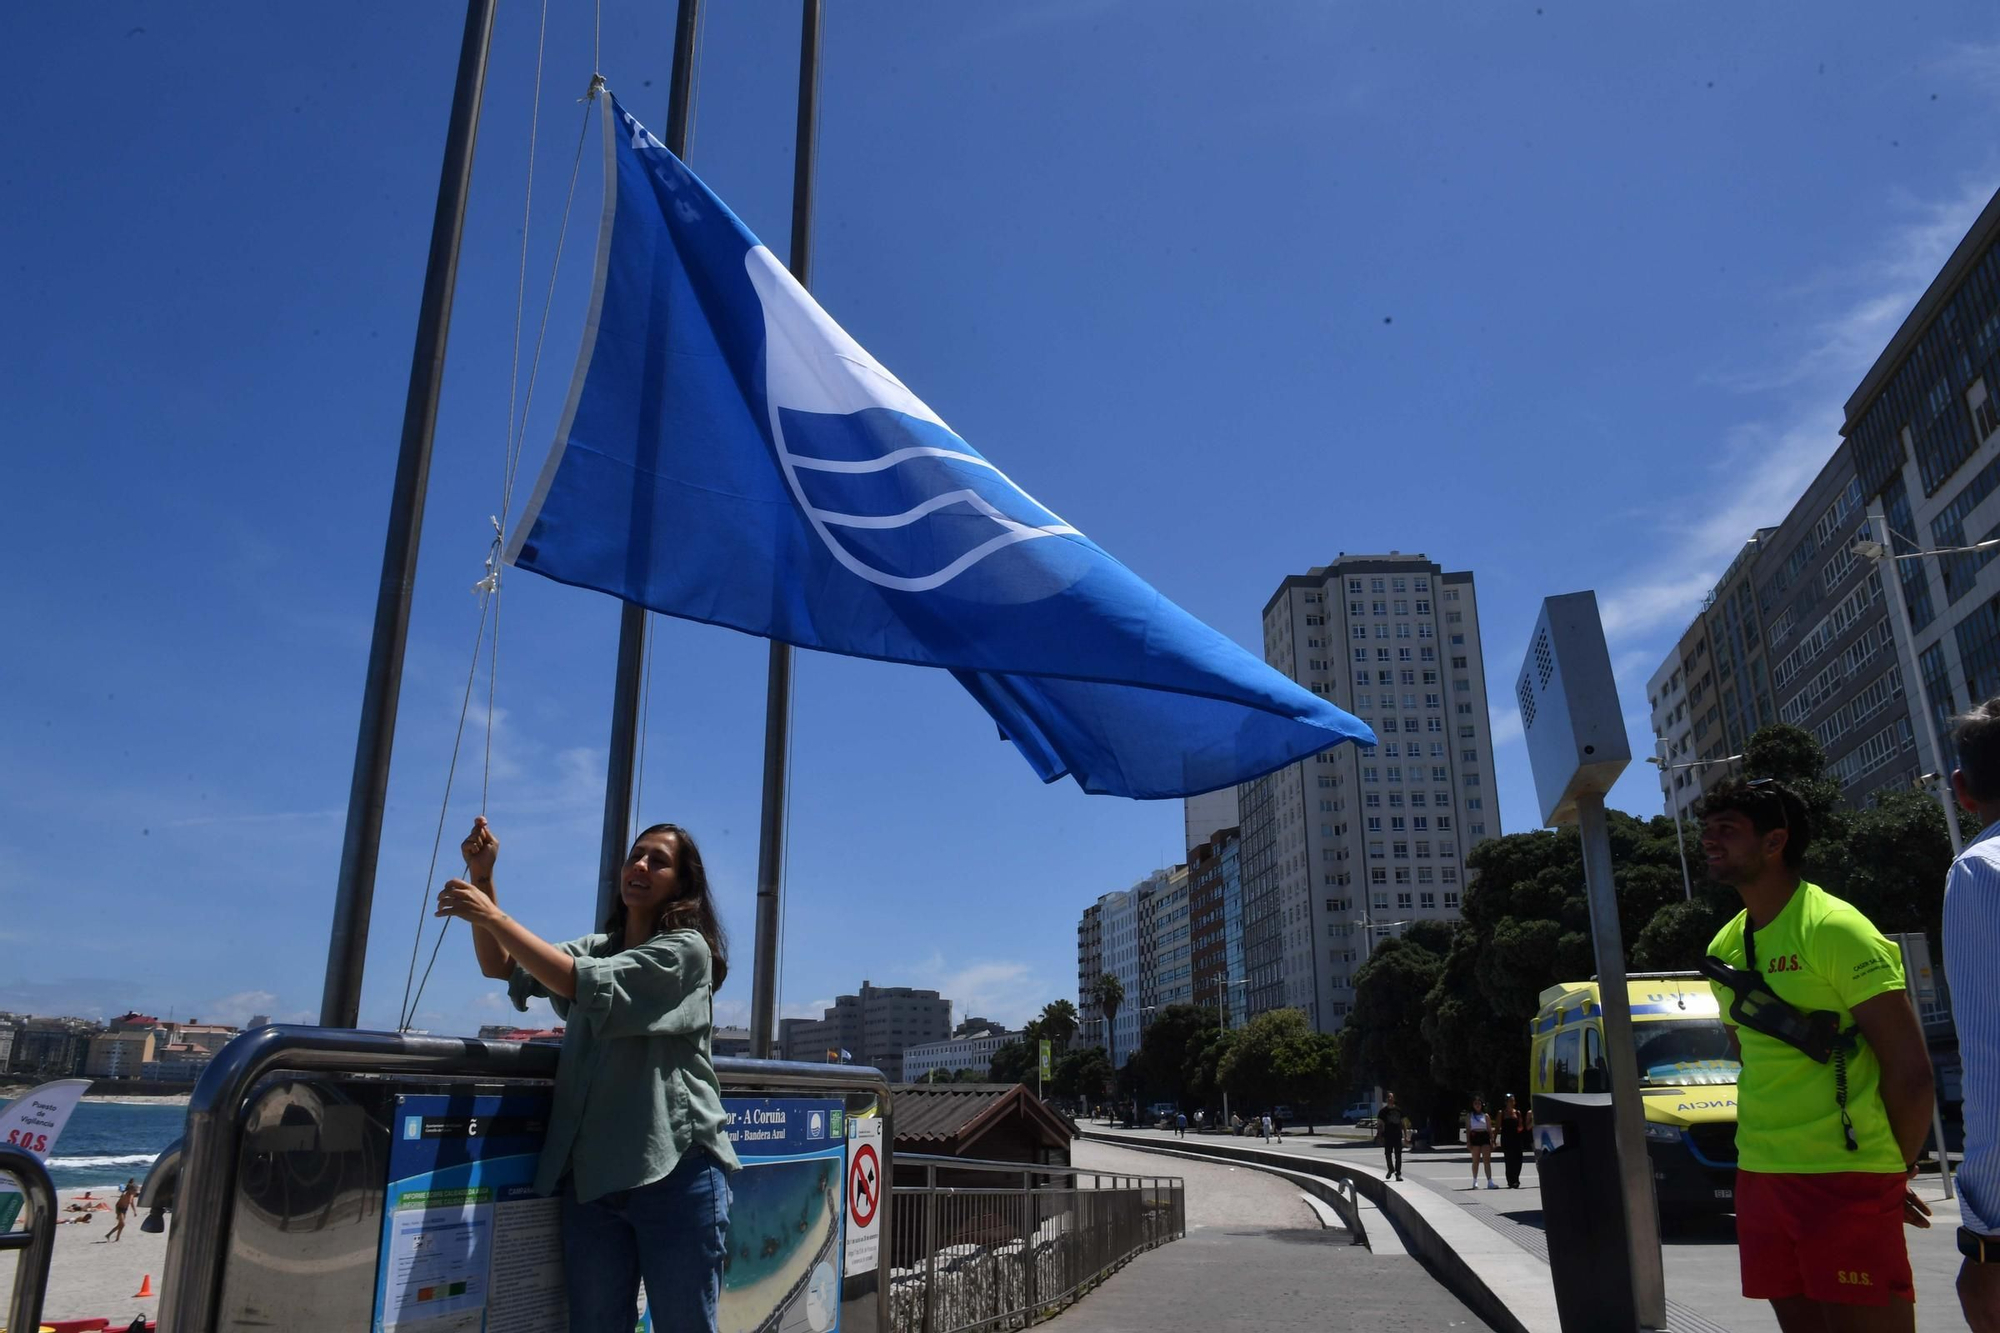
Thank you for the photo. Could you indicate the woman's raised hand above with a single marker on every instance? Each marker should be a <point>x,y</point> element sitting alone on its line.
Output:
<point>468,902</point>
<point>480,849</point>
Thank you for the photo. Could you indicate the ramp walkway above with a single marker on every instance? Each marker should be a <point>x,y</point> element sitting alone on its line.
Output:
<point>1257,1255</point>
<point>1489,1247</point>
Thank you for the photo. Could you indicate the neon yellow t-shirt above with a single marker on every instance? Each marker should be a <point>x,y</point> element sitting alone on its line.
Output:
<point>1819,953</point>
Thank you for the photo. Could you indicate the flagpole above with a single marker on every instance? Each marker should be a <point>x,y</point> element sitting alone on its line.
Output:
<point>778,681</point>
<point>361,846</point>
<point>621,768</point>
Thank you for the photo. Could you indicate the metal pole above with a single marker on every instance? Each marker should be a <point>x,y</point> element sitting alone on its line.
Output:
<point>778,681</point>
<point>354,895</point>
<point>1635,1168</point>
<point>1680,839</point>
<point>1905,635</point>
<point>620,768</point>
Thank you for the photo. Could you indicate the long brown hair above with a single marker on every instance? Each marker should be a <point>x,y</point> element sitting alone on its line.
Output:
<point>693,909</point>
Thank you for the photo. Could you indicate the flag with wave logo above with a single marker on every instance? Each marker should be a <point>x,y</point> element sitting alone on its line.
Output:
<point>729,455</point>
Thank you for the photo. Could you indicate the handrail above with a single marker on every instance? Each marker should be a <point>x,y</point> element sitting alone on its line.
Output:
<point>191,1282</point>
<point>1019,1168</point>
<point>37,1243</point>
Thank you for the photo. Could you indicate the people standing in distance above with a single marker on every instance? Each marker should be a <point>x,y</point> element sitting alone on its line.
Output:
<point>1834,1099</point>
<point>1389,1128</point>
<point>1971,944</point>
<point>1517,1128</point>
<point>637,1143</point>
<point>1479,1137</point>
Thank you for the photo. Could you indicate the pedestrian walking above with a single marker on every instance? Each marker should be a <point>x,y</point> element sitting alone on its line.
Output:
<point>1267,1126</point>
<point>1834,1100</point>
<point>1971,943</point>
<point>1479,1137</point>
<point>1236,1124</point>
<point>128,1198</point>
<point>1516,1132</point>
<point>1180,1124</point>
<point>1389,1130</point>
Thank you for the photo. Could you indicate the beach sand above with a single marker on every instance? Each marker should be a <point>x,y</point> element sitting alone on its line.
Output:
<point>91,1277</point>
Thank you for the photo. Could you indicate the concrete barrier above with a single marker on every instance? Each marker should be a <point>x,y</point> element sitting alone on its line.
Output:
<point>1506,1286</point>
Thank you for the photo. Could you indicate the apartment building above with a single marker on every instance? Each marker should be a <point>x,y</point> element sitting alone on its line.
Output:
<point>1354,844</point>
<point>1215,918</point>
<point>1921,442</point>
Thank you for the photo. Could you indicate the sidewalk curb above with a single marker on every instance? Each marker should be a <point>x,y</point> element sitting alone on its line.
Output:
<point>1507,1287</point>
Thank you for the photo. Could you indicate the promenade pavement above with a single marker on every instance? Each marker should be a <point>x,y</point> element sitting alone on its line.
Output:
<point>1256,1255</point>
<point>1700,1260</point>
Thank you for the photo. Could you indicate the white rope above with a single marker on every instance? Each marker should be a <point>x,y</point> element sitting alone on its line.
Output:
<point>489,586</point>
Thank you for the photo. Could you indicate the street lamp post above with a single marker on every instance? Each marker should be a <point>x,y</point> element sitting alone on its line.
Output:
<point>1223,1024</point>
<point>1660,761</point>
<point>1878,550</point>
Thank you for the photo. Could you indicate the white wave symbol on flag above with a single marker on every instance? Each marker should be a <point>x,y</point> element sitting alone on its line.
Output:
<point>811,365</point>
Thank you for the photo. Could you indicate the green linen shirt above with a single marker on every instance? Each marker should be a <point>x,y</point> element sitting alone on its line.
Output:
<point>635,1087</point>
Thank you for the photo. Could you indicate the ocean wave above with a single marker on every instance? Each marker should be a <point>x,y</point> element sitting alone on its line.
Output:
<point>121,1159</point>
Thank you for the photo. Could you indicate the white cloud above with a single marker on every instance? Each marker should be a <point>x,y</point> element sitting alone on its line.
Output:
<point>1004,990</point>
<point>237,1010</point>
<point>1506,723</point>
<point>1768,461</point>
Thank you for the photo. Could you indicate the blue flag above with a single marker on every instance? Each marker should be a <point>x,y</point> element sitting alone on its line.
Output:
<point>729,455</point>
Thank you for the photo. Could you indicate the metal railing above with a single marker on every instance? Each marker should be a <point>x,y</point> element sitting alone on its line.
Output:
<point>1001,1245</point>
<point>34,1244</point>
<point>198,1183</point>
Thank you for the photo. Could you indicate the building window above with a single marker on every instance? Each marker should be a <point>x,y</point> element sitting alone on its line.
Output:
<point>1451,901</point>
<point>1428,901</point>
<point>1403,901</point>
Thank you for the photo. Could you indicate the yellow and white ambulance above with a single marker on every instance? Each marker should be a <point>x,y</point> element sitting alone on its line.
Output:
<point>1686,1076</point>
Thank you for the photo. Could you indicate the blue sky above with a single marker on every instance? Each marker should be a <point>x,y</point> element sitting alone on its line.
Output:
<point>1569,295</point>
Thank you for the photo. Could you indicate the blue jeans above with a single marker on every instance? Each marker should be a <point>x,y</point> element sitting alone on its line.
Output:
<point>673,1232</point>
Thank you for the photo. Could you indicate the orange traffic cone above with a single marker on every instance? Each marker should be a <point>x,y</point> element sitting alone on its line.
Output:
<point>145,1291</point>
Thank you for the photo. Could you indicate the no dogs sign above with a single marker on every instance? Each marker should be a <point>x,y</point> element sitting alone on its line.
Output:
<point>865,1188</point>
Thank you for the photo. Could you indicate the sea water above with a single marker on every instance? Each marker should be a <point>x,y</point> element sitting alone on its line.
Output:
<point>107,1143</point>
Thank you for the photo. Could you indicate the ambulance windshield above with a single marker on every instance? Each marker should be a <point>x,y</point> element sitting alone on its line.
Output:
<point>1679,1052</point>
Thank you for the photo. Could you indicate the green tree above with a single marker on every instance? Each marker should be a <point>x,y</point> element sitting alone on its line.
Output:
<point>1016,1062</point>
<point>1109,993</point>
<point>1898,853</point>
<point>1059,1023</point>
<point>1391,993</point>
<point>1257,1067</point>
<point>1085,1073</point>
<point>1167,1057</point>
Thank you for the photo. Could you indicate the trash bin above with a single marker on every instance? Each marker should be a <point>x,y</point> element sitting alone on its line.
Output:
<point>1583,1213</point>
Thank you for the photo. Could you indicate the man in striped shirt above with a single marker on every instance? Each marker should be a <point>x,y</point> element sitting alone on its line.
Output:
<point>1971,948</point>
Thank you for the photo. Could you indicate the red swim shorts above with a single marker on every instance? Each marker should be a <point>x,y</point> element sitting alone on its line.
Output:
<point>1836,1237</point>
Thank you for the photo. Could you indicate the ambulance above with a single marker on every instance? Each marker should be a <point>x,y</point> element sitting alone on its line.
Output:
<point>1686,1077</point>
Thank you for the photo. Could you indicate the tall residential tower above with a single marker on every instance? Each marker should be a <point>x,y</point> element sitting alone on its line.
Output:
<point>1352,845</point>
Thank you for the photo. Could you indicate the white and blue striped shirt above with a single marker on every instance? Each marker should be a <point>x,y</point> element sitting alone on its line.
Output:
<point>1971,948</point>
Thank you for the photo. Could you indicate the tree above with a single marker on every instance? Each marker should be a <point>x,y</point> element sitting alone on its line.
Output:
<point>1276,1058</point>
<point>1391,993</point>
<point>1898,853</point>
<point>1109,992</point>
<point>1059,1023</point>
<point>1085,1074</point>
<point>1016,1062</point>
<point>1166,1059</point>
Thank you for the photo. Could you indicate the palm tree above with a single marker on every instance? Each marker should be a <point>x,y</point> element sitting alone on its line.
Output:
<point>1059,1023</point>
<point>1109,992</point>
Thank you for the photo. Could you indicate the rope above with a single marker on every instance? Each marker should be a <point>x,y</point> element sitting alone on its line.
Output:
<point>517,428</point>
<point>407,1009</point>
